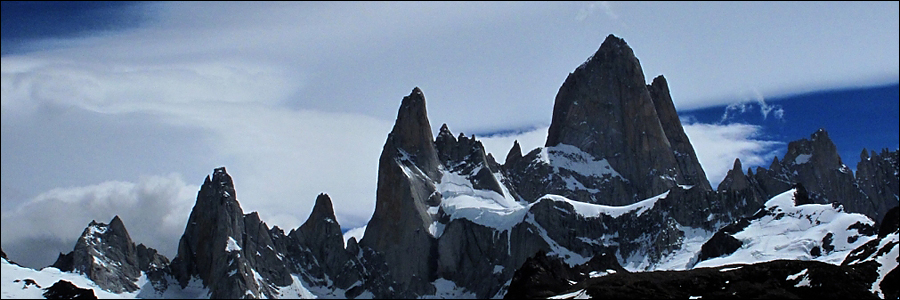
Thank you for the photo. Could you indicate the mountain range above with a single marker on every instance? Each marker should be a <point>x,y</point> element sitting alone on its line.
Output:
<point>615,204</point>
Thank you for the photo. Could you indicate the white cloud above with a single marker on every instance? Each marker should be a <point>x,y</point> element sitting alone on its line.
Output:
<point>154,209</point>
<point>592,7</point>
<point>748,105</point>
<point>297,99</point>
<point>718,145</point>
<point>499,145</point>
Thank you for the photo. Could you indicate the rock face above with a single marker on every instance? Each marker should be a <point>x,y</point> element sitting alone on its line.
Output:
<point>465,155</point>
<point>720,244</point>
<point>606,119</point>
<point>66,290</point>
<point>735,179</point>
<point>542,276</point>
<point>880,255</point>
<point>150,260</point>
<point>877,176</point>
<point>107,255</point>
<point>226,249</point>
<point>605,109</point>
<point>688,164</point>
<point>320,236</point>
<point>774,279</point>
<point>407,171</point>
<point>815,164</point>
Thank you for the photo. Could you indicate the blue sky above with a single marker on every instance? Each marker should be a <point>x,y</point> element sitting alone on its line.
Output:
<point>124,108</point>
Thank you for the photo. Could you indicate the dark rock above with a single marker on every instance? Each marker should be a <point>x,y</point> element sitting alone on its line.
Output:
<point>890,223</point>
<point>760,281</point>
<point>29,281</point>
<point>827,242</point>
<point>466,156</point>
<point>688,164</point>
<point>66,290</point>
<point>720,244</point>
<point>815,164</point>
<point>321,234</point>
<point>543,275</point>
<point>801,196</point>
<point>539,277</point>
<point>149,259</point>
<point>399,228</point>
<point>877,176</point>
<point>65,262</point>
<point>605,109</point>
<point>475,257</point>
<point>106,255</point>
<point>735,180</point>
<point>223,247</point>
<point>515,154</point>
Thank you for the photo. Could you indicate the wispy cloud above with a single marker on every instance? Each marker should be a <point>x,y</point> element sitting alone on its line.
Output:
<point>593,7</point>
<point>718,145</point>
<point>734,109</point>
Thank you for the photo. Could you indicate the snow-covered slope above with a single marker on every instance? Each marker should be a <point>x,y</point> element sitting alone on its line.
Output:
<point>13,277</point>
<point>801,232</point>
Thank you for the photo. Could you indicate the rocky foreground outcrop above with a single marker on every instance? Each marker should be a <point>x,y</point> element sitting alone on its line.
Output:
<point>66,290</point>
<point>863,275</point>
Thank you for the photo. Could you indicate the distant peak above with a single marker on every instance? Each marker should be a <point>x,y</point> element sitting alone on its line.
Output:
<point>613,41</point>
<point>221,176</point>
<point>659,81</point>
<point>737,165</point>
<point>116,224</point>
<point>819,134</point>
<point>323,206</point>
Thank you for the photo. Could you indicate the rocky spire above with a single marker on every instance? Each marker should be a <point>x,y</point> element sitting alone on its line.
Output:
<point>605,109</point>
<point>515,153</point>
<point>735,180</point>
<point>412,134</point>
<point>106,254</point>
<point>688,164</point>
<point>219,245</point>
<point>407,171</point>
<point>321,234</point>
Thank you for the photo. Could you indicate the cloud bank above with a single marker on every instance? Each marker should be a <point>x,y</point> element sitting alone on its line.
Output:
<point>155,210</point>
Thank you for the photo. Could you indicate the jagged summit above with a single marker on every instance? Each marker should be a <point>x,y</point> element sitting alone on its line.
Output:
<point>818,149</point>
<point>606,110</point>
<point>407,171</point>
<point>515,153</point>
<point>216,242</point>
<point>412,134</point>
<point>106,254</point>
<point>688,163</point>
<point>323,209</point>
